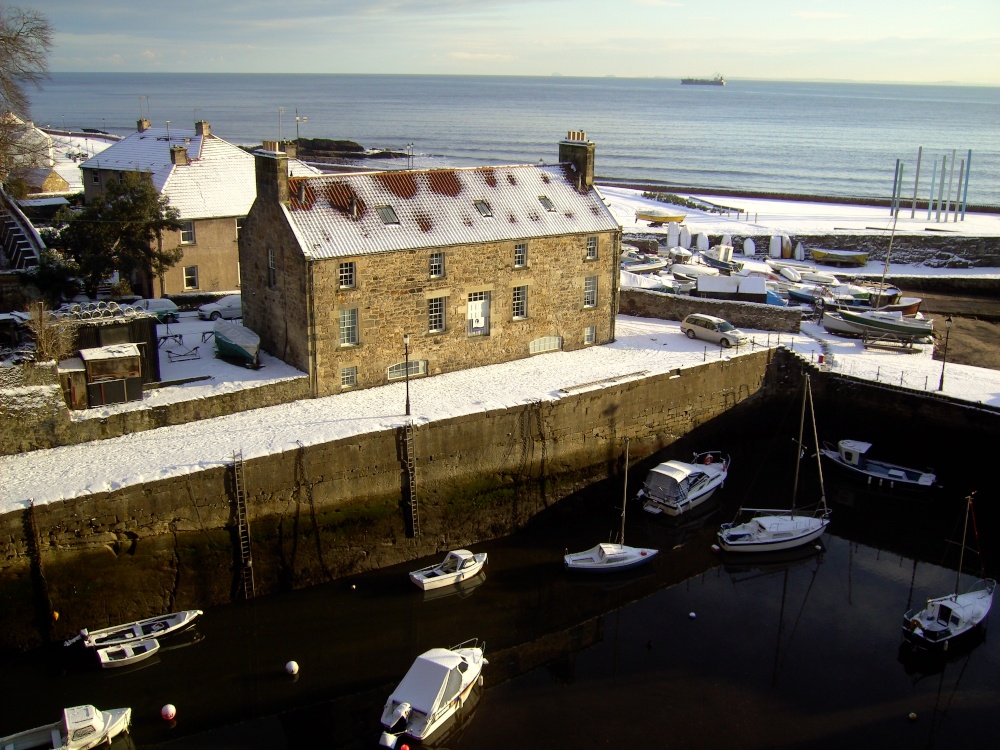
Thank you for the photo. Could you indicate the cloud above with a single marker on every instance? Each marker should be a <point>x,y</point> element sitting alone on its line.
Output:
<point>148,54</point>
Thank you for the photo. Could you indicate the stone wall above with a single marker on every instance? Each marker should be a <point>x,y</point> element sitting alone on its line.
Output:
<point>327,510</point>
<point>34,415</point>
<point>214,252</point>
<point>644,303</point>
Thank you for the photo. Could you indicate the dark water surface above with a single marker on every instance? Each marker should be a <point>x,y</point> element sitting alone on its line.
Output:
<point>793,652</point>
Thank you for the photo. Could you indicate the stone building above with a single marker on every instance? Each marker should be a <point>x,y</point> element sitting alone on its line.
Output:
<point>360,278</point>
<point>208,180</point>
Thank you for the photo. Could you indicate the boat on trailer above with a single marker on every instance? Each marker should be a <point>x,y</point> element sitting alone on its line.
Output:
<point>853,456</point>
<point>81,728</point>
<point>151,627</point>
<point>892,322</point>
<point>238,342</point>
<point>437,685</point>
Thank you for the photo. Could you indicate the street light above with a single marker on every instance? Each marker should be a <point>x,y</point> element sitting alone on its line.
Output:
<point>406,355</point>
<point>409,156</point>
<point>944,355</point>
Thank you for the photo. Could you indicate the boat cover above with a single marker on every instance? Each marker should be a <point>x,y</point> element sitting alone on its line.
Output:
<point>434,674</point>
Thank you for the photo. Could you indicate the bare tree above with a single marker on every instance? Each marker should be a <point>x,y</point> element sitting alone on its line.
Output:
<point>55,336</point>
<point>25,41</point>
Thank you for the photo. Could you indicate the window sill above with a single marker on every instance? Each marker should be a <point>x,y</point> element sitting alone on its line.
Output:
<point>349,346</point>
<point>516,318</point>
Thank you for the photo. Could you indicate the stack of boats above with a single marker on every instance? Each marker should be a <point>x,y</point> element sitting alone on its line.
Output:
<point>122,645</point>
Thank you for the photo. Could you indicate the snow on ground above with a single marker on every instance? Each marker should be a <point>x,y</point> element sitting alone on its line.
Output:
<point>773,217</point>
<point>70,151</point>
<point>643,347</point>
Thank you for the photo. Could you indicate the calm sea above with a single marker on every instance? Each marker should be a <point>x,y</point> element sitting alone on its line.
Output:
<point>838,139</point>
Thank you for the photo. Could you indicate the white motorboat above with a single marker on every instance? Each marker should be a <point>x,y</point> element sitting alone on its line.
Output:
<point>946,619</point>
<point>769,530</point>
<point>81,728</point>
<point>675,487</point>
<point>125,654</point>
<point>853,456</point>
<point>458,565</point>
<point>436,686</point>
<point>136,631</point>
<point>611,557</point>
<point>691,271</point>
<point>635,261</point>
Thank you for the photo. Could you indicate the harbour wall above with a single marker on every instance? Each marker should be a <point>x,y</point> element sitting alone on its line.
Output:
<point>324,511</point>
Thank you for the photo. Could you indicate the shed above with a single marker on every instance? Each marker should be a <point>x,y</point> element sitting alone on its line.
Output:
<point>114,374</point>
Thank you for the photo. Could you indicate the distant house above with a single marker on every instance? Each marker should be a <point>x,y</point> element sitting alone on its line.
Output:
<point>208,180</point>
<point>362,278</point>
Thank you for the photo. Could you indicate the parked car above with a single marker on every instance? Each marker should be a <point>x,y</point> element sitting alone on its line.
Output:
<point>228,307</point>
<point>711,328</point>
<point>164,309</point>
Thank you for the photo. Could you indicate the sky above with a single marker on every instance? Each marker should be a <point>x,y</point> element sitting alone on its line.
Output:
<point>642,346</point>
<point>910,41</point>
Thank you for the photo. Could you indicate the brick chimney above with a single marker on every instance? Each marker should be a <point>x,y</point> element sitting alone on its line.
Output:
<point>142,125</point>
<point>271,168</point>
<point>291,149</point>
<point>202,128</point>
<point>178,155</point>
<point>575,149</point>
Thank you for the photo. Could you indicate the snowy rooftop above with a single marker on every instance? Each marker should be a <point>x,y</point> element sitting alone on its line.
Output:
<point>373,212</point>
<point>643,347</point>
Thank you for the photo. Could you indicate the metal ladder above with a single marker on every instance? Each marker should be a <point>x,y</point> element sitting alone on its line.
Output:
<point>411,473</point>
<point>246,558</point>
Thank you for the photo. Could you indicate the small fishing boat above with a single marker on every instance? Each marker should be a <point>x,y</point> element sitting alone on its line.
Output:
<point>236,341</point>
<point>634,261</point>
<point>675,487</point>
<point>678,254</point>
<point>458,565</point>
<point>840,257</point>
<point>833,322</point>
<point>889,322</point>
<point>657,216</point>
<point>436,686</point>
<point>691,271</point>
<point>136,631</point>
<point>126,654</point>
<point>81,728</point>
<point>946,619</point>
<point>611,557</point>
<point>775,530</point>
<point>721,257</point>
<point>853,456</point>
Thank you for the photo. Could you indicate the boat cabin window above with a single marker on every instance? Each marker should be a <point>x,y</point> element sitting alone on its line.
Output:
<point>449,565</point>
<point>79,734</point>
<point>944,613</point>
<point>463,667</point>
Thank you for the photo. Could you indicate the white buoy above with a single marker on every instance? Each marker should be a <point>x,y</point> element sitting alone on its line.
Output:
<point>292,667</point>
<point>715,548</point>
<point>353,586</point>
<point>168,712</point>
<point>913,716</point>
<point>691,615</point>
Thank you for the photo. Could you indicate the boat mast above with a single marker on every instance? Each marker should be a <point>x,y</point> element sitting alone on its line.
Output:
<point>885,268</point>
<point>798,445</point>
<point>961,556</point>
<point>621,538</point>
<point>819,463</point>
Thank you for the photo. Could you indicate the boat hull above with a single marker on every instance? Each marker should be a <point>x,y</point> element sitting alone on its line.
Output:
<point>125,654</point>
<point>659,218</point>
<point>800,530</point>
<point>882,473</point>
<point>949,620</point>
<point>174,622</point>
<point>840,257</point>
<point>619,558</point>
<point>428,580</point>
<point>893,323</point>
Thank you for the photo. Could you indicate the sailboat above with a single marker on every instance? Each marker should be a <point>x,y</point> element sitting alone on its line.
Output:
<point>609,557</point>
<point>774,530</point>
<point>947,618</point>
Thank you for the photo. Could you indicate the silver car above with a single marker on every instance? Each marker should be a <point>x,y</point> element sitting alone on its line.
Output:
<point>716,330</point>
<point>229,307</point>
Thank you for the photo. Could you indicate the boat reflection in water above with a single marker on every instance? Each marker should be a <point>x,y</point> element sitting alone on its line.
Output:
<point>462,589</point>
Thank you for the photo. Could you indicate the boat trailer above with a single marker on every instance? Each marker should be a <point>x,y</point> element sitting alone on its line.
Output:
<point>888,341</point>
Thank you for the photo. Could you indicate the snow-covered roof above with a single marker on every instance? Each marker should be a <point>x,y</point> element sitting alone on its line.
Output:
<point>217,180</point>
<point>375,212</point>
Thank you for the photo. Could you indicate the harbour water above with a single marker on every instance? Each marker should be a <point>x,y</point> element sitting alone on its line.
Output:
<point>836,139</point>
<point>696,650</point>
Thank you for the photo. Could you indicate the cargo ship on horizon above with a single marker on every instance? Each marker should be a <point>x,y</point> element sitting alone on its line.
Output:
<point>717,81</point>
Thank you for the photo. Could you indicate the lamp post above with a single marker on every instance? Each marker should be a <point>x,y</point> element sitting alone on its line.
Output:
<point>406,373</point>
<point>409,156</point>
<point>944,355</point>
